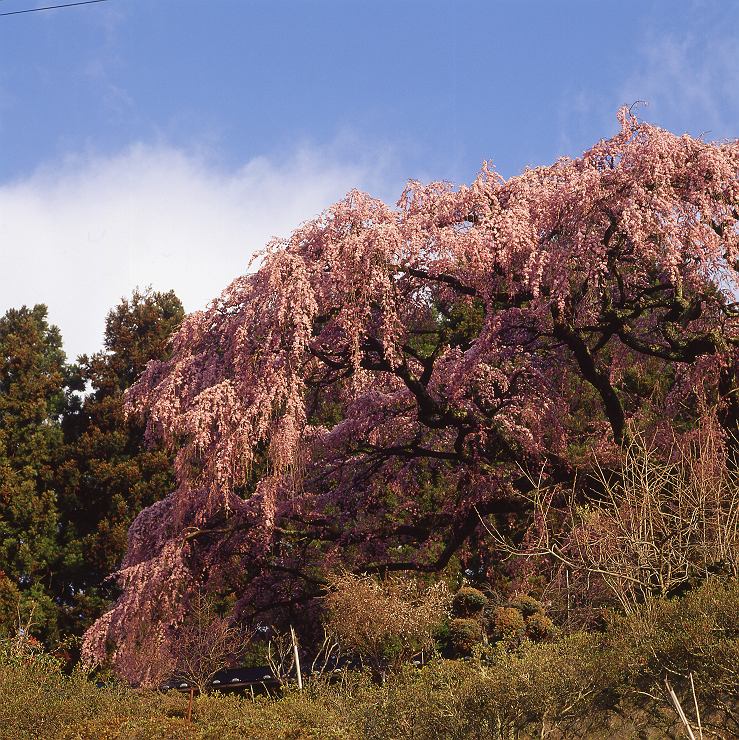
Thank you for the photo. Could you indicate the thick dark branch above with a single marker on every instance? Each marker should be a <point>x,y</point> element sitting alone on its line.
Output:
<point>327,359</point>
<point>409,452</point>
<point>430,413</point>
<point>598,379</point>
<point>459,535</point>
<point>315,580</point>
<point>679,351</point>
<point>450,280</point>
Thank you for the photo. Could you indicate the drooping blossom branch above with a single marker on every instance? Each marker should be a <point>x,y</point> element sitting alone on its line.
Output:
<point>388,373</point>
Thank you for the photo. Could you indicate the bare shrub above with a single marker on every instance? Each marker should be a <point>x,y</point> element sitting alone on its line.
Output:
<point>385,622</point>
<point>207,642</point>
<point>283,655</point>
<point>22,643</point>
<point>663,523</point>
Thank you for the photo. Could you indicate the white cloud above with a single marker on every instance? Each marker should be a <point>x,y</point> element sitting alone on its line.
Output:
<point>81,234</point>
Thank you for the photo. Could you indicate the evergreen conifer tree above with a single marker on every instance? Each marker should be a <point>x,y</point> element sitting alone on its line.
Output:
<point>106,474</point>
<point>32,379</point>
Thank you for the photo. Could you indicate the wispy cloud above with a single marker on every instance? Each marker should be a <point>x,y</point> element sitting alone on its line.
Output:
<point>106,62</point>
<point>690,82</point>
<point>80,234</point>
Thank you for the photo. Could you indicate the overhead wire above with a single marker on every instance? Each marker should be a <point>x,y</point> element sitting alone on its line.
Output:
<point>52,7</point>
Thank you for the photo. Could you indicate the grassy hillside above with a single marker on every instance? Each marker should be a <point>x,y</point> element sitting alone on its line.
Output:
<point>609,683</point>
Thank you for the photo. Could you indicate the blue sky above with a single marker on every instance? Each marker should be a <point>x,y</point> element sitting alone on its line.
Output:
<point>163,141</point>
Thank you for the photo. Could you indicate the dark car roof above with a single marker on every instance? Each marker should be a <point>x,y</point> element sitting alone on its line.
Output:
<point>230,678</point>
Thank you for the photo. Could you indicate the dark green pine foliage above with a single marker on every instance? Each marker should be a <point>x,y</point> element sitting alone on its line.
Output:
<point>107,474</point>
<point>32,381</point>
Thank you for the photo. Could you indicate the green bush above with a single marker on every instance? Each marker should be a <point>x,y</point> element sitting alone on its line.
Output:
<point>539,627</point>
<point>37,700</point>
<point>468,601</point>
<point>527,605</point>
<point>464,635</point>
<point>508,625</point>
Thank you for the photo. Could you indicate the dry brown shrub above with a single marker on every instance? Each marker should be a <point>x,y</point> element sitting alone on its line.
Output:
<point>385,622</point>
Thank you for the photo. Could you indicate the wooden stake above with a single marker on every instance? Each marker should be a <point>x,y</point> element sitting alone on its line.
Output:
<point>679,710</point>
<point>297,658</point>
<point>697,711</point>
<point>189,705</point>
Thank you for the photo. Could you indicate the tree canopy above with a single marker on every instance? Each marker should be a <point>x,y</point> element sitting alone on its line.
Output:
<point>105,475</point>
<point>73,471</point>
<point>387,377</point>
<point>32,378</point>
